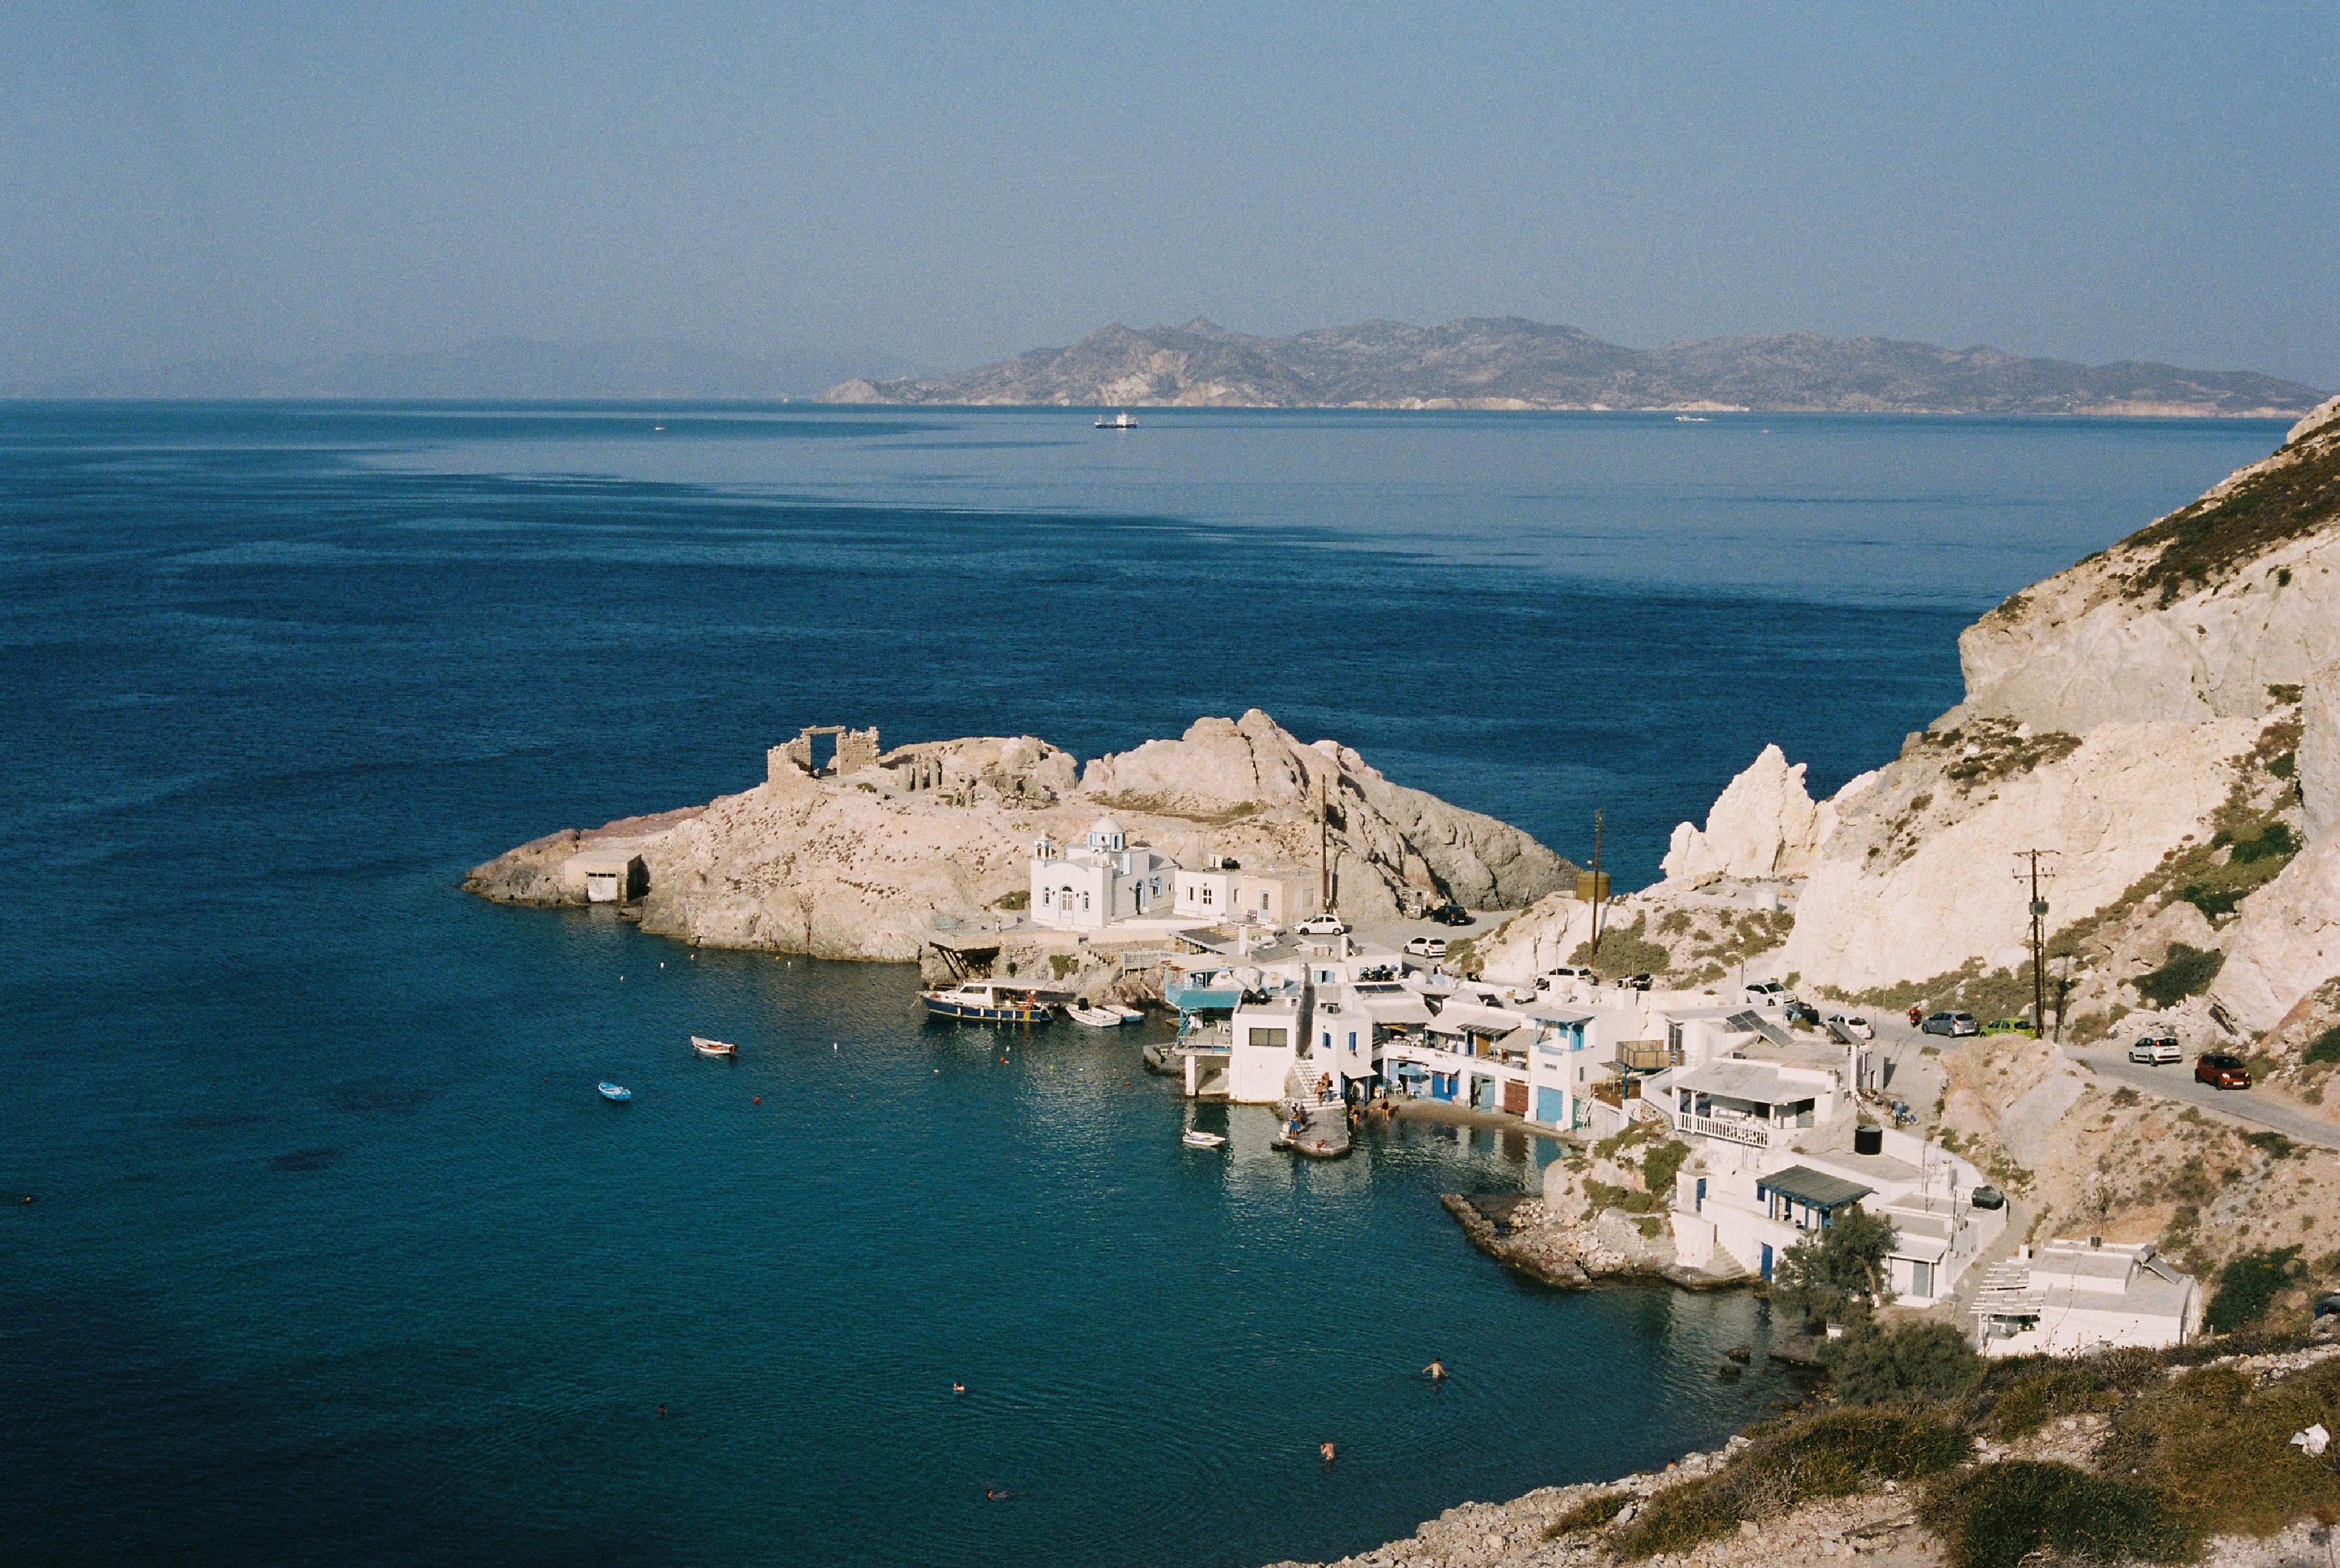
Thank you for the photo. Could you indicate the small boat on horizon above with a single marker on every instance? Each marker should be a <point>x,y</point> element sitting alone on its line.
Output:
<point>1197,1138</point>
<point>705,1047</point>
<point>1124,420</point>
<point>1691,419</point>
<point>616,1091</point>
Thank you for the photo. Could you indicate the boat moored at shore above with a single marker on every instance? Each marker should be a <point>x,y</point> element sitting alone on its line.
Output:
<point>705,1047</point>
<point>990,1001</point>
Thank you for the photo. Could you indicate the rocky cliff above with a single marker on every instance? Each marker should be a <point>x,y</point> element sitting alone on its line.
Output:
<point>2162,719</point>
<point>859,865</point>
<point>1509,363</point>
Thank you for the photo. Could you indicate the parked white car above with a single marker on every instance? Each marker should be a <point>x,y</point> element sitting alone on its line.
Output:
<point>1427,946</point>
<point>2156,1051</point>
<point>1853,1025</point>
<point>1768,993</point>
<point>1322,925</point>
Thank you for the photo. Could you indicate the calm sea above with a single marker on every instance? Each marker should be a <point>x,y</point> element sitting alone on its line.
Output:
<point>334,1255</point>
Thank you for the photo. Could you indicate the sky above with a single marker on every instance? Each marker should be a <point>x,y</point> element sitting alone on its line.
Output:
<point>932,187</point>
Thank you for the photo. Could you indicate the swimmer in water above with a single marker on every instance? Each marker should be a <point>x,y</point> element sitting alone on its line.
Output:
<point>662,1410</point>
<point>1326,1450</point>
<point>996,1494</point>
<point>1435,1371</point>
<point>959,1388</point>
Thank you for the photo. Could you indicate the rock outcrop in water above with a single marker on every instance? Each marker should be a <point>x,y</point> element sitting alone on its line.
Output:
<point>859,865</point>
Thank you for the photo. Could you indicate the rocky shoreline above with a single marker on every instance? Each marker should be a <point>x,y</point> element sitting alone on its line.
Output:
<point>1522,1233</point>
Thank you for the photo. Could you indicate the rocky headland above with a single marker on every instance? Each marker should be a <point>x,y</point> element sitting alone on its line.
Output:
<point>868,858</point>
<point>1509,363</point>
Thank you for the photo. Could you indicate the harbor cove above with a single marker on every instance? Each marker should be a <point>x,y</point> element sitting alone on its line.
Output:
<point>321,1245</point>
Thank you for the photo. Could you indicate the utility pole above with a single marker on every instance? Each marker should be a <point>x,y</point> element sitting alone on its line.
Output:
<point>1599,887</point>
<point>2030,869</point>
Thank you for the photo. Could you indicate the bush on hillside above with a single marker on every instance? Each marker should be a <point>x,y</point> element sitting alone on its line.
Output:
<point>1927,1360</point>
<point>2247,1286</point>
<point>1663,1164</point>
<point>2016,1397</point>
<point>2326,1046</point>
<point>1589,1515</point>
<point>1831,1456</point>
<point>2187,972</point>
<point>1999,1516</point>
<point>2216,1450</point>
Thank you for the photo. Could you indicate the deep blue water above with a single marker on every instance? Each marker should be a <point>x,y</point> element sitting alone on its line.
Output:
<point>335,1258</point>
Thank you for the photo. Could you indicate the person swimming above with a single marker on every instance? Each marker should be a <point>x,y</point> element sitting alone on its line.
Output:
<point>1435,1371</point>
<point>959,1388</point>
<point>996,1494</point>
<point>1326,1450</point>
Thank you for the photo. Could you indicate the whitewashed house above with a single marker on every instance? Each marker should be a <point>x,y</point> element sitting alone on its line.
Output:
<point>2071,1296</point>
<point>1226,894</point>
<point>1100,880</point>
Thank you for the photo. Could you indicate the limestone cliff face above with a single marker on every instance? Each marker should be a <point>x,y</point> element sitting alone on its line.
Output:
<point>858,866</point>
<point>2164,717</point>
<point>2194,617</point>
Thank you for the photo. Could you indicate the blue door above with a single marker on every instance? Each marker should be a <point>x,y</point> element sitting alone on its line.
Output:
<point>1551,1106</point>
<point>1767,1260</point>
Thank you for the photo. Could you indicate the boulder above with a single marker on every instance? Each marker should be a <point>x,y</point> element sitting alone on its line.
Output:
<point>2319,753</point>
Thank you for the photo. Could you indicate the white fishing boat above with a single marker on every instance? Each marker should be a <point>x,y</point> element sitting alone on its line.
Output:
<point>616,1091</point>
<point>1198,1138</point>
<point>1124,420</point>
<point>1094,1016</point>
<point>705,1047</point>
<point>1689,419</point>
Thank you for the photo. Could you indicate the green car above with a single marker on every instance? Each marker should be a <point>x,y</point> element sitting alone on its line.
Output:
<point>2008,1026</point>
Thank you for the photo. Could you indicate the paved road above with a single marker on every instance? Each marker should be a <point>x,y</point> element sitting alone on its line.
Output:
<point>2176,1081</point>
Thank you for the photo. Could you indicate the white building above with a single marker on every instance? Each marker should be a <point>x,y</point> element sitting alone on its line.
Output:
<point>1777,1153</point>
<point>2070,1295</point>
<point>1100,880</point>
<point>1224,893</point>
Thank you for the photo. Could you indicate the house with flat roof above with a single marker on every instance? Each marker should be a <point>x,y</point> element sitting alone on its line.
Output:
<point>2070,1295</point>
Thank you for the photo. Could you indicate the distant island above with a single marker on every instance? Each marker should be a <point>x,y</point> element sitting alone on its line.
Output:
<point>1507,362</point>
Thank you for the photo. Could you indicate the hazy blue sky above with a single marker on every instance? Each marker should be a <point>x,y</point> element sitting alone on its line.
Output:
<point>943,185</point>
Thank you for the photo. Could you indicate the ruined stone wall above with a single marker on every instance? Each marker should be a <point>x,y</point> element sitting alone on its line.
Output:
<point>856,750</point>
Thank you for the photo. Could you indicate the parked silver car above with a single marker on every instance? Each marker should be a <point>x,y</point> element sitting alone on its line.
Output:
<point>1954,1024</point>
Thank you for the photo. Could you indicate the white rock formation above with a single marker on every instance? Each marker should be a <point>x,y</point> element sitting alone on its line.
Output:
<point>1879,909</point>
<point>2288,941</point>
<point>1764,824</point>
<point>858,867</point>
<point>2101,643</point>
<point>2319,753</point>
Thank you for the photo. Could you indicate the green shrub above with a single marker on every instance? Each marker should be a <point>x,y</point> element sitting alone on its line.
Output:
<point>2247,1286</point>
<point>1928,1361</point>
<point>1998,1515</point>
<point>2019,1394</point>
<point>2326,1046</point>
<point>1830,1455</point>
<point>1837,1272</point>
<point>2273,841</point>
<point>1589,1515</point>
<point>2217,1452</point>
<point>2187,970</point>
<point>2274,1145</point>
<point>1021,897</point>
<point>1663,1164</point>
<point>2215,902</point>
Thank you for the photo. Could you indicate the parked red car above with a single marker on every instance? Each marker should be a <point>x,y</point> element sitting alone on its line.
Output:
<point>2220,1071</point>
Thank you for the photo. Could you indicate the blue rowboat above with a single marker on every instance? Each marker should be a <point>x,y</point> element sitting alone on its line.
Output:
<point>616,1091</point>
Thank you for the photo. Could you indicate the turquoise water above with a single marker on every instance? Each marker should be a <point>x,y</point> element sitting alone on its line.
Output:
<point>335,1255</point>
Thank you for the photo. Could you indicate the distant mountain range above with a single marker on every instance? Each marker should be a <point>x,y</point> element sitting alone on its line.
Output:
<point>513,369</point>
<point>1509,363</point>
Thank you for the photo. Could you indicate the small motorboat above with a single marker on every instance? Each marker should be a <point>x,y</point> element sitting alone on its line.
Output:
<point>1198,1138</point>
<point>1124,420</point>
<point>1128,1014</point>
<point>1094,1016</point>
<point>616,1091</point>
<point>990,1001</point>
<point>1159,1061</point>
<point>705,1047</point>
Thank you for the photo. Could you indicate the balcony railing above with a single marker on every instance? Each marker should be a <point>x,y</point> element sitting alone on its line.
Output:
<point>1754,1134</point>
